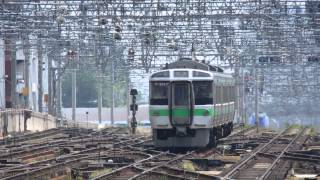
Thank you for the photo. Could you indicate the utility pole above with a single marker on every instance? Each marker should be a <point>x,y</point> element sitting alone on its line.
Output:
<point>74,94</point>
<point>26,51</point>
<point>112,93</point>
<point>256,98</point>
<point>50,84</point>
<point>40,67</point>
<point>57,84</point>
<point>100,96</point>
<point>13,74</point>
<point>128,99</point>
<point>58,90</point>
<point>243,97</point>
<point>2,75</point>
<point>58,87</point>
<point>237,89</point>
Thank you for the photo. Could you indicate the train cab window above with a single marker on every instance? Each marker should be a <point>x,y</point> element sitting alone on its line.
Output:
<point>181,94</point>
<point>161,74</point>
<point>203,93</point>
<point>159,93</point>
<point>181,73</point>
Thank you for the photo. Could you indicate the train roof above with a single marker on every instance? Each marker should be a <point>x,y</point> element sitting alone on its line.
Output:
<point>190,75</point>
<point>187,63</point>
<point>187,69</point>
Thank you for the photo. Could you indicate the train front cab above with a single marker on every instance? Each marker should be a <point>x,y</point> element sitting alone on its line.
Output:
<point>181,112</point>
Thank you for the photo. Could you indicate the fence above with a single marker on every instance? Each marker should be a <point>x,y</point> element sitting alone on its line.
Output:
<point>20,120</point>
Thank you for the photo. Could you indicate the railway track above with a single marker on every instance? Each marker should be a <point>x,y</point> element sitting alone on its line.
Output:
<point>160,166</point>
<point>239,134</point>
<point>58,163</point>
<point>259,165</point>
<point>109,154</point>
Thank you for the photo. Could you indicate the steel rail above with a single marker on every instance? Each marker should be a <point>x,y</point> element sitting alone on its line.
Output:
<point>63,164</point>
<point>268,171</point>
<point>239,166</point>
<point>295,157</point>
<point>128,166</point>
<point>163,164</point>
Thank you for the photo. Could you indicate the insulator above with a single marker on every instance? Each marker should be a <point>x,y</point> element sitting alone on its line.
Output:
<point>102,21</point>
<point>118,28</point>
<point>117,36</point>
<point>60,19</point>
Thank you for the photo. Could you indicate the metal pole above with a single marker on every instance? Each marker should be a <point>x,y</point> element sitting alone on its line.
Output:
<point>13,75</point>
<point>58,92</point>
<point>256,98</point>
<point>87,117</point>
<point>59,95</point>
<point>128,101</point>
<point>2,75</point>
<point>26,70</point>
<point>40,66</point>
<point>243,98</point>
<point>237,102</point>
<point>49,85</point>
<point>112,94</point>
<point>54,92</point>
<point>100,97</point>
<point>74,94</point>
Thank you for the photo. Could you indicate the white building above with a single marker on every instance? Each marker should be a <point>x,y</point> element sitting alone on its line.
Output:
<point>33,68</point>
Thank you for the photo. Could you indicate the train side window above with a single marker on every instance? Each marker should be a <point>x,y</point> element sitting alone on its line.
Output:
<point>216,95</point>
<point>230,93</point>
<point>221,94</point>
<point>215,92</point>
<point>224,94</point>
<point>200,74</point>
<point>234,93</point>
<point>227,94</point>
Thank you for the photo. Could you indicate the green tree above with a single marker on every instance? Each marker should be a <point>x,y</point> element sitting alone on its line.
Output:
<point>86,89</point>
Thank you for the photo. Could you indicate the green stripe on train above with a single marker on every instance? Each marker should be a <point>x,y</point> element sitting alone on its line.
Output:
<point>181,112</point>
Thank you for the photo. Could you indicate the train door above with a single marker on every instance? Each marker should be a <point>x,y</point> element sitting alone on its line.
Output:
<point>181,103</point>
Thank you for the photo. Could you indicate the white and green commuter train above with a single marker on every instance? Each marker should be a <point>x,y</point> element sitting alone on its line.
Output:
<point>192,104</point>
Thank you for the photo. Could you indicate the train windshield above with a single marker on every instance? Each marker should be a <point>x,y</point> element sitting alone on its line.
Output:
<point>159,93</point>
<point>203,92</point>
<point>181,94</point>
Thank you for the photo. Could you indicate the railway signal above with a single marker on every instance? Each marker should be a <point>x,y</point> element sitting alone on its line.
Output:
<point>134,109</point>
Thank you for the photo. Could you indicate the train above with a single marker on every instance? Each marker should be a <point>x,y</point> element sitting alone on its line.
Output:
<point>191,104</point>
